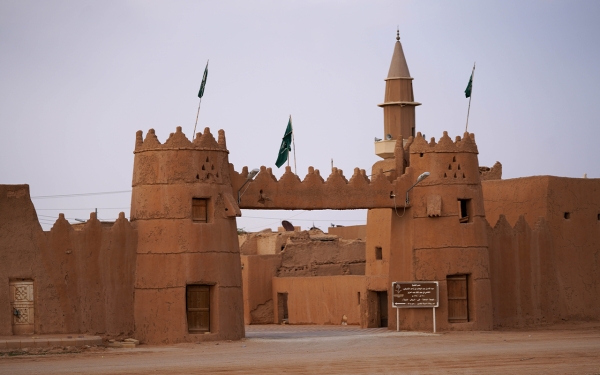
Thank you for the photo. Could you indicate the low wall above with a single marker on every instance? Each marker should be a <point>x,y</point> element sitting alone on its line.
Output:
<point>321,299</point>
<point>350,232</point>
<point>83,280</point>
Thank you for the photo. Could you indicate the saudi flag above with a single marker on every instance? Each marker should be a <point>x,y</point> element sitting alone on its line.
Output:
<point>469,87</point>
<point>203,84</point>
<point>286,145</point>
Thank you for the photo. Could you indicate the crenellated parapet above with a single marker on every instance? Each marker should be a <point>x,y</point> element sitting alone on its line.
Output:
<point>466,144</point>
<point>178,141</point>
<point>314,192</point>
<point>448,162</point>
<point>179,160</point>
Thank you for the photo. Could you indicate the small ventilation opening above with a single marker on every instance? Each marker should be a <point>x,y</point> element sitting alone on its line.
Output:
<point>598,217</point>
<point>378,253</point>
<point>567,215</point>
<point>421,154</point>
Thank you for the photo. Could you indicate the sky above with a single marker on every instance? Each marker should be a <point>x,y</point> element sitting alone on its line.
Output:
<point>78,78</point>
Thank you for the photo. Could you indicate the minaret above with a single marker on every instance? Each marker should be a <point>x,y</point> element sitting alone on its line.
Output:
<point>398,106</point>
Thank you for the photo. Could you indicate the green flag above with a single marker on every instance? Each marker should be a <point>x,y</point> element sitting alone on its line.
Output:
<point>469,87</point>
<point>286,145</point>
<point>203,84</point>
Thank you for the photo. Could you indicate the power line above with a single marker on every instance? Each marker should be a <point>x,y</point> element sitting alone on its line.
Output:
<point>80,195</point>
<point>82,209</point>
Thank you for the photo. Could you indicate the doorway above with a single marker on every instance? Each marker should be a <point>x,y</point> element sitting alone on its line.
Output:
<point>22,309</point>
<point>382,299</point>
<point>282,308</point>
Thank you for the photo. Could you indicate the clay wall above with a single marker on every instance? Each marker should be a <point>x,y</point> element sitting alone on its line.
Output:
<point>544,263</point>
<point>83,280</point>
<point>321,300</point>
<point>176,249</point>
<point>316,254</point>
<point>257,274</point>
<point>307,254</point>
<point>350,232</point>
<point>265,242</point>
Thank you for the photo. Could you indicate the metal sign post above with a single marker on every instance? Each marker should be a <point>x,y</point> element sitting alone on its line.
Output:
<point>415,294</point>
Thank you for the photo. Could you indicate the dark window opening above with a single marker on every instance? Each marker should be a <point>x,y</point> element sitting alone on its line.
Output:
<point>413,132</point>
<point>458,167</point>
<point>282,247</point>
<point>200,210</point>
<point>458,298</point>
<point>282,307</point>
<point>421,154</point>
<point>359,298</point>
<point>198,308</point>
<point>598,217</point>
<point>378,253</point>
<point>454,159</point>
<point>449,167</point>
<point>197,177</point>
<point>445,175</point>
<point>567,215</point>
<point>383,308</point>
<point>463,210</point>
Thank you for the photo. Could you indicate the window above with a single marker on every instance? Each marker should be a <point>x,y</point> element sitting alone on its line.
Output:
<point>198,308</point>
<point>378,253</point>
<point>463,210</point>
<point>567,215</point>
<point>200,210</point>
<point>458,299</point>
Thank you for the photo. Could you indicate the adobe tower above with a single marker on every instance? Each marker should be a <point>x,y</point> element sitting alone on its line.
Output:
<point>188,284</point>
<point>399,104</point>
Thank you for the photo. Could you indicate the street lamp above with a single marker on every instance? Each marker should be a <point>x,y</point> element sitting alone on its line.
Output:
<point>250,177</point>
<point>421,177</point>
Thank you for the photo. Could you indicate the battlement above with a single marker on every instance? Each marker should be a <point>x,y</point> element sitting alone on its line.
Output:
<point>178,141</point>
<point>466,144</point>
<point>314,192</point>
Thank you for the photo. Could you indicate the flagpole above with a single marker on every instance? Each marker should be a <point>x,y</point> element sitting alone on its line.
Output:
<point>470,96</point>
<point>197,114</point>
<point>293,144</point>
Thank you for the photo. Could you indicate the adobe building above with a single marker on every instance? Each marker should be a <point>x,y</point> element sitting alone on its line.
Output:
<point>506,253</point>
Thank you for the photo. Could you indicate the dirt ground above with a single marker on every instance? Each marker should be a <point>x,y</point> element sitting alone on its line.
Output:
<point>568,349</point>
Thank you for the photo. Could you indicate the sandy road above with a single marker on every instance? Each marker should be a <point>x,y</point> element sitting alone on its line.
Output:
<point>331,350</point>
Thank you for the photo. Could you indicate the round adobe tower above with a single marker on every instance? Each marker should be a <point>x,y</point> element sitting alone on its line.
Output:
<point>188,273</point>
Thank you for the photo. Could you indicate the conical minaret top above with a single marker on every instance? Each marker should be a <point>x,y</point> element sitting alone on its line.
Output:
<point>399,104</point>
<point>398,67</point>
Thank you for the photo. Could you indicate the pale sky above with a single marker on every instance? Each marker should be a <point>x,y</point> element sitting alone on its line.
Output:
<point>79,78</point>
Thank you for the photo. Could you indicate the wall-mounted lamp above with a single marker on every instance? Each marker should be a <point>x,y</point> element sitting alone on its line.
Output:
<point>250,177</point>
<point>421,177</point>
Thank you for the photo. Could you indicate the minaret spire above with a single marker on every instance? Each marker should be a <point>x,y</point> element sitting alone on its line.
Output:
<point>399,105</point>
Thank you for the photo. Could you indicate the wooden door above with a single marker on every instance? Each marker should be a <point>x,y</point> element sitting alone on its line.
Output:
<point>22,309</point>
<point>458,300</point>
<point>198,308</point>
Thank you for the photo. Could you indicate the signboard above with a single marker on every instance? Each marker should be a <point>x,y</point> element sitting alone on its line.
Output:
<point>412,294</point>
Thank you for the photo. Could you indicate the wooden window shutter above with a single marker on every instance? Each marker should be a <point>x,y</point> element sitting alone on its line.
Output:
<point>198,308</point>
<point>200,210</point>
<point>458,300</point>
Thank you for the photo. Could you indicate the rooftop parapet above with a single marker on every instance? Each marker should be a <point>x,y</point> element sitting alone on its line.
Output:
<point>466,144</point>
<point>178,141</point>
<point>314,192</point>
